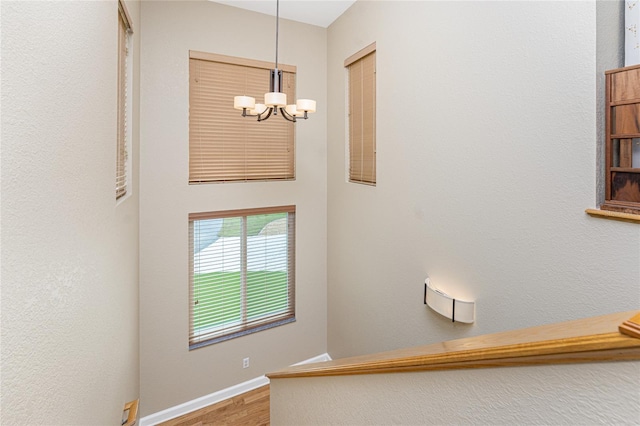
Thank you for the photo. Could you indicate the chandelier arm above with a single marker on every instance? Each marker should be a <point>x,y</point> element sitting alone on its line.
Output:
<point>270,109</point>
<point>287,116</point>
<point>246,114</point>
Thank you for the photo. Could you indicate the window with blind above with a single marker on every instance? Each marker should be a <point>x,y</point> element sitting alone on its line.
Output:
<point>241,274</point>
<point>223,145</point>
<point>361,69</point>
<point>124,100</point>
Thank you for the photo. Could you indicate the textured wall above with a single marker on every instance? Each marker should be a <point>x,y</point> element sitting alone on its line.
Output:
<point>170,373</point>
<point>69,253</point>
<point>486,132</point>
<point>579,394</point>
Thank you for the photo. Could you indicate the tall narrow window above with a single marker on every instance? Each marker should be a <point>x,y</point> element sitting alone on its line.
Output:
<point>622,168</point>
<point>224,146</point>
<point>362,115</point>
<point>124,32</point>
<point>241,274</point>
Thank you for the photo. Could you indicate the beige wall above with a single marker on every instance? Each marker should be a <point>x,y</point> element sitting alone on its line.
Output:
<point>578,394</point>
<point>69,251</point>
<point>170,373</point>
<point>486,161</point>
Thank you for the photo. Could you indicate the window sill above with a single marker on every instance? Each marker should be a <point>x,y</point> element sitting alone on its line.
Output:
<point>607,214</point>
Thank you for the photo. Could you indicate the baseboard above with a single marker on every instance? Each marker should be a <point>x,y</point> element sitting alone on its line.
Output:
<point>213,398</point>
<point>320,358</point>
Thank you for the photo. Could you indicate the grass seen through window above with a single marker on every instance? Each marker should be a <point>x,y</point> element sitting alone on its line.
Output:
<point>226,307</point>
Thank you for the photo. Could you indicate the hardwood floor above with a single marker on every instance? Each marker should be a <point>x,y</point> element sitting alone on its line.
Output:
<point>251,408</point>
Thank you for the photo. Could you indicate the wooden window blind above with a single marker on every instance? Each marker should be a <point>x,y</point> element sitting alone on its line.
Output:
<point>362,115</point>
<point>223,145</point>
<point>242,273</point>
<point>124,30</point>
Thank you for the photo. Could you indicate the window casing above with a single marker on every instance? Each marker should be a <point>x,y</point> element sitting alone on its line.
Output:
<point>241,273</point>
<point>361,69</point>
<point>223,145</point>
<point>125,31</point>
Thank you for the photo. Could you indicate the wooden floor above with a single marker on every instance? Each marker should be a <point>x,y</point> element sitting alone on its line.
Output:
<point>251,408</point>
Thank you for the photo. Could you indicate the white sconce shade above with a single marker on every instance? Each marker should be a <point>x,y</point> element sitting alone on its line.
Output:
<point>242,102</point>
<point>448,306</point>
<point>307,105</point>
<point>275,99</point>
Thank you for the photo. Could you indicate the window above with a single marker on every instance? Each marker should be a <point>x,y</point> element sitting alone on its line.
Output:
<point>223,145</point>
<point>622,168</point>
<point>241,274</point>
<point>361,69</point>
<point>124,106</point>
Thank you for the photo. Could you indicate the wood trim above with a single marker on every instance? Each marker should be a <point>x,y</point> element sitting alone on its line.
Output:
<point>122,9</point>
<point>242,212</point>
<point>360,54</point>
<point>608,214</point>
<point>607,130</point>
<point>625,135</point>
<point>133,412</point>
<point>625,170</point>
<point>617,70</point>
<point>586,340</point>
<point>631,327</point>
<point>625,102</point>
<point>214,57</point>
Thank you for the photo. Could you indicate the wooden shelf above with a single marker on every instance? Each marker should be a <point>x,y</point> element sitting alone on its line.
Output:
<point>586,340</point>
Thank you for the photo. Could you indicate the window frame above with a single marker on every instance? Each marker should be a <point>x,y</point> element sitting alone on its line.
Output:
<point>246,326</point>
<point>357,170</point>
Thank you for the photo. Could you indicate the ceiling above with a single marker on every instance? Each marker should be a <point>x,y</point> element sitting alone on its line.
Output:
<point>315,12</point>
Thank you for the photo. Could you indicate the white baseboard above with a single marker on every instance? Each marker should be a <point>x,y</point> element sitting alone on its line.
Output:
<point>320,358</point>
<point>212,398</point>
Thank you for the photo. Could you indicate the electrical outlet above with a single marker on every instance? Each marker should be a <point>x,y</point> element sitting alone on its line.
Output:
<point>245,363</point>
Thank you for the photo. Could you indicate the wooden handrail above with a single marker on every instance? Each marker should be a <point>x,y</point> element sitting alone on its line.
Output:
<point>586,340</point>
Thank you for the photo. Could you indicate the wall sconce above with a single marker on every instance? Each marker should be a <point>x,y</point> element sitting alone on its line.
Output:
<point>448,306</point>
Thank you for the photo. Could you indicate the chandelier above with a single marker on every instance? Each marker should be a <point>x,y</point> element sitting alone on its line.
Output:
<point>274,100</point>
